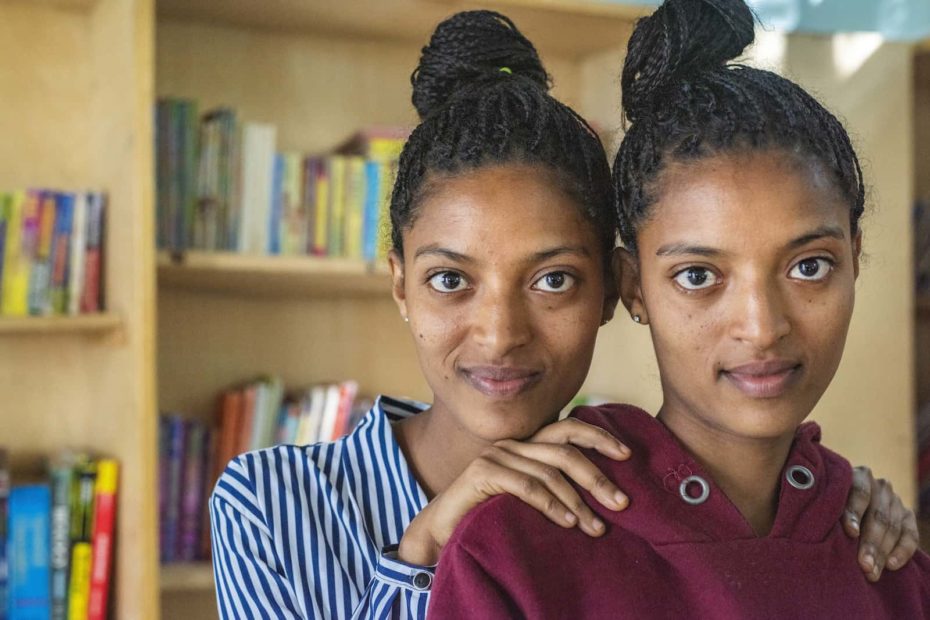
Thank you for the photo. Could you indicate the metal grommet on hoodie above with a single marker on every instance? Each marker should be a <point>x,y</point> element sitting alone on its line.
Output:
<point>799,477</point>
<point>692,499</point>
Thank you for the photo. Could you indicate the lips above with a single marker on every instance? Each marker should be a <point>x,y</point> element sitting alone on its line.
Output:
<point>764,379</point>
<point>501,381</point>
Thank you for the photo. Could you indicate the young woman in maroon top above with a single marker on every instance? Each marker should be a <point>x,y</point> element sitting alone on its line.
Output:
<point>739,198</point>
<point>503,266</point>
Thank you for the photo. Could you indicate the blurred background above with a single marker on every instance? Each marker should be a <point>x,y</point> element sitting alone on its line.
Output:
<point>191,210</point>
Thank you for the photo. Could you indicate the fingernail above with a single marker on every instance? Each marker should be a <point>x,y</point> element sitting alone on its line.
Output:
<point>571,518</point>
<point>893,562</point>
<point>853,520</point>
<point>869,562</point>
<point>876,572</point>
<point>620,499</point>
<point>597,524</point>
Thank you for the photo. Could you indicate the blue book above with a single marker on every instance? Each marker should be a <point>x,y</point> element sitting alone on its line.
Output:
<point>277,205</point>
<point>4,521</point>
<point>374,171</point>
<point>30,575</point>
<point>59,258</point>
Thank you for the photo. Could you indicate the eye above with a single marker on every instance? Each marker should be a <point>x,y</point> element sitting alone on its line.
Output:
<point>448,282</point>
<point>696,278</point>
<point>555,282</point>
<point>811,269</point>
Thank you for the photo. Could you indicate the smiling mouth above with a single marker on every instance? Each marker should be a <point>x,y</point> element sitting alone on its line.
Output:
<point>501,381</point>
<point>763,379</point>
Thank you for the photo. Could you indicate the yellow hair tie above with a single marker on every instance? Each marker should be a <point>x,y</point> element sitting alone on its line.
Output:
<point>506,70</point>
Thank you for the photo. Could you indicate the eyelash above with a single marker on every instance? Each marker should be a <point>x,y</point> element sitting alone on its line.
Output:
<point>569,278</point>
<point>830,266</point>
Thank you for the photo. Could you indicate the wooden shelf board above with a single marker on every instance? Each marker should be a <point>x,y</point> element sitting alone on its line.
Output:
<point>568,27</point>
<point>93,324</point>
<point>186,577</point>
<point>272,276</point>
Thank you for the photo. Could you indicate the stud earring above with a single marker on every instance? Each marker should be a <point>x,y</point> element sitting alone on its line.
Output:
<point>406,319</point>
<point>637,318</point>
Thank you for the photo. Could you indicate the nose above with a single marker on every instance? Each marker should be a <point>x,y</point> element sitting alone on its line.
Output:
<point>758,315</point>
<point>502,321</point>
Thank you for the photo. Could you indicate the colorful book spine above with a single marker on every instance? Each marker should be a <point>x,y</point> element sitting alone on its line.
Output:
<point>40,276</point>
<point>4,533</point>
<point>18,259</point>
<point>191,493</point>
<point>276,216</point>
<point>82,514</point>
<point>102,539</point>
<point>176,436</point>
<point>60,254</point>
<point>62,482</point>
<point>76,258</point>
<point>337,210</point>
<point>93,253</point>
<point>354,199</point>
<point>30,577</point>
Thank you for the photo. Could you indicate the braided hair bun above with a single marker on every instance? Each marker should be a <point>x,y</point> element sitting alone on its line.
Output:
<point>470,47</point>
<point>682,37</point>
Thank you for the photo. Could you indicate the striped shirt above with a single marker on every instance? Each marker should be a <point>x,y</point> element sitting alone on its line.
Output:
<point>311,531</point>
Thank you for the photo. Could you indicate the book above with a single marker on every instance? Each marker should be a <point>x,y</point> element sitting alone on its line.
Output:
<point>319,169</point>
<point>93,255</point>
<point>57,301</point>
<point>257,156</point>
<point>336,214</point>
<point>61,474</point>
<point>177,429</point>
<point>18,259</point>
<point>76,258</point>
<point>354,199</point>
<point>102,538</point>
<point>191,492</point>
<point>4,521</point>
<point>41,273</point>
<point>82,514</point>
<point>30,576</point>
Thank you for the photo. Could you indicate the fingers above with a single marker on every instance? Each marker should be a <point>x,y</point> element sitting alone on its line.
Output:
<point>858,501</point>
<point>584,435</point>
<point>543,486</point>
<point>882,528</point>
<point>907,545</point>
<point>567,459</point>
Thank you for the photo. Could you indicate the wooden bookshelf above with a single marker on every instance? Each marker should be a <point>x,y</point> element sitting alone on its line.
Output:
<point>88,324</point>
<point>570,28</point>
<point>187,577</point>
<point>272,276</point>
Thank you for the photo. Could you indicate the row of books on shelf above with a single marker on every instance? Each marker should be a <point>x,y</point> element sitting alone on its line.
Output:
<point>193,454</point>
<point>57,539</point>
<point>222,185</point>
<point>922,246</point>
<point>51,252</point>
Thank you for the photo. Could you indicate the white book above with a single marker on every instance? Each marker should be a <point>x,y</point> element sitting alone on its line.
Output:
<point>311,416</point>
<point>78,247</point>
<point>330,413</point>
<point>257,178</point>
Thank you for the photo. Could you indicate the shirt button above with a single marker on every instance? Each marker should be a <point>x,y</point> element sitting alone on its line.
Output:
<point>422,581</point>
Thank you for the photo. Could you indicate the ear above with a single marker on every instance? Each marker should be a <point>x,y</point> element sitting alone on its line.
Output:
<point>630,288</point>
<point>611,287</point>
<point>396,263</point>
<point>857,252</point>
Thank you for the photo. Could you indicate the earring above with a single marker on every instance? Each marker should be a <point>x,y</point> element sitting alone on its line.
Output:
<point>637,318</point>
<point>406,319</point>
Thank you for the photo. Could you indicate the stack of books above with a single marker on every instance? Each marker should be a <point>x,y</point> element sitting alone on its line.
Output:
<point>57,539</point>
<point>51,252</point>
<point>223,186</point>
<point>259,414</point>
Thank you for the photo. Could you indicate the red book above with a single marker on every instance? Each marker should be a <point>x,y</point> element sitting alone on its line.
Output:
<point>347,393</point>
<point>102,538</point>
<point>93,260</point>
<point>247,420</point>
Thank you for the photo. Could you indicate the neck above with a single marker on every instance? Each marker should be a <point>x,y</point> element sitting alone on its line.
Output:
<point>437,450</point>
<point>747,470</point>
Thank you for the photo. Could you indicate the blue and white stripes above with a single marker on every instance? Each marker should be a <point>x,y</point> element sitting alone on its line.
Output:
<point>309,531</point>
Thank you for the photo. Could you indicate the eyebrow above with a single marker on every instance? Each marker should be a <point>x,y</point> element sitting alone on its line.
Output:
<point>680,249</point>
<point>436,250</point>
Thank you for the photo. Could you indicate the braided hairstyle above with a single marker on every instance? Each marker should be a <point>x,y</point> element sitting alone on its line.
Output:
<point>482,95</point>
<point>683,101</point>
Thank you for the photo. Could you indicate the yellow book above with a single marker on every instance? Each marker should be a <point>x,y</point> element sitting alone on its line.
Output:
<point>79,592</point>
<point>17,259</point>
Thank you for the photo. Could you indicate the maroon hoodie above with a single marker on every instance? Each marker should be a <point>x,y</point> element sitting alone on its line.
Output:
<point>666,558</point>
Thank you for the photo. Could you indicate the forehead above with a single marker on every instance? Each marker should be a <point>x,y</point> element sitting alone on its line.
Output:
<point>743,201</point>
<point>502,209</point>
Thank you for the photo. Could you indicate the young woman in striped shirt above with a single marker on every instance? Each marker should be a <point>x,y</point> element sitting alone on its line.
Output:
<point>503,236</point>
